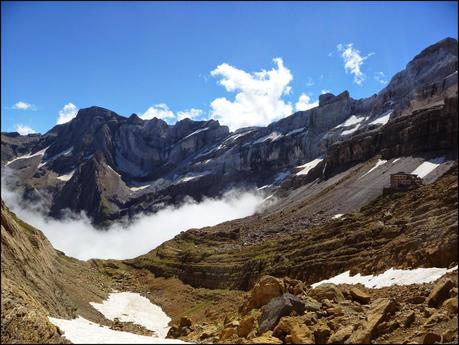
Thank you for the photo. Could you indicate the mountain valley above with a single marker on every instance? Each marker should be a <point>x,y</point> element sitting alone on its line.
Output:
<point>329,207</point>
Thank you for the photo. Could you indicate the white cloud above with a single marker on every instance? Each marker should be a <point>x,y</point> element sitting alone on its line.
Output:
<point>310,82</point>
<point>24,130</point>
<point>380,77</point>
<point>23,106</point>
<point>323,92</point>
<point>353,61</point>
<point>67,113</point>
<point>161,111</point>
<point>192,113</point>
<point>258,99</point>
<point>304,103</point>
<point>72,233</point>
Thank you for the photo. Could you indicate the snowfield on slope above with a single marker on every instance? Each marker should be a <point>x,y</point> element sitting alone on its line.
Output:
<point>82,331</point>
<point>308,166</point>
<point>127,307</point>
<point>390,277</point>
<point>383,119</point>
<point>428,166</point>
<point>132,307</point>
<point>28,155</point>
<point>66,177</point>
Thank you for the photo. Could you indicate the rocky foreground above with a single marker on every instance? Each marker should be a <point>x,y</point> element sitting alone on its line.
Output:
<point>278,311</point>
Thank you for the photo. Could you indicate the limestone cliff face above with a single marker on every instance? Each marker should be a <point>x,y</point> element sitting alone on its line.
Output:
<point>433,128</point>
<point>110,166</point>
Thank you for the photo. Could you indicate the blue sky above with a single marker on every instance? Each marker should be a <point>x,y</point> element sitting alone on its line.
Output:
<point>198,59</point>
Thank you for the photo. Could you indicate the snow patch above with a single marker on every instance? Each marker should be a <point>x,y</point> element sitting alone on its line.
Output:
<point>82,331</point>
<point>383,119</point>
<point>66,177</point>
<point>108,166</point>
<point>308,166</point>
<point>352,121</point>
<point>192,176</point>
<point>428,166</point>
<point>265,186</point>
<point>271,137</point>
<point>28,155</point>
<point>390,277</point>
<point>338,215</point>
<point>132,307</point>
<point>135,189</point>
<point>234,137</point>
<point>196,132</point>
<point>378,163</point>
<point>63,153</point>
<point>350,131</point>
<point>298,130</point>
<point>396,160</point>
<point>268,197</point>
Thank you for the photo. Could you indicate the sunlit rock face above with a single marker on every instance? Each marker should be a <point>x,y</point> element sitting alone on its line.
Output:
<point>111,166</point>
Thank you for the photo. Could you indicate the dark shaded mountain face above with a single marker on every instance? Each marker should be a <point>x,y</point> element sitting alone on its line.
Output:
<point>111,166</point>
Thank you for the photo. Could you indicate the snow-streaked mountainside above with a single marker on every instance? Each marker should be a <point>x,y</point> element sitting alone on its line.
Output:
<point>112,166</point>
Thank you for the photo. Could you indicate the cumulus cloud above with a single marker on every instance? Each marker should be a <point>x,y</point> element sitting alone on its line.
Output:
<point>380,77</point>
<point>76,237</point>
<point>161,111</point>
<point>323,92</point>
<point>192,113</point>
<point>67,113</point>
<point>304,103</point>
<point>23,106</point>
<point>310,82</point>
<point>258,100</point>
<point>353,61</point>
<point>24,130</point>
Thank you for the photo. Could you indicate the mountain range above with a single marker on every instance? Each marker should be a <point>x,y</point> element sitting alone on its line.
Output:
<point>113,167</point>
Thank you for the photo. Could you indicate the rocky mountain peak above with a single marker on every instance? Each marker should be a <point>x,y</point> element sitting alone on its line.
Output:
<point>328,98</point>
<point>447,46</point>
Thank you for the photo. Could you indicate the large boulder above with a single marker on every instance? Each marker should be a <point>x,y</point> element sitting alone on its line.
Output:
<point>267,288</point>
<point>246,326</point>
<point>327,291</point>
<point>379,310</point>
<point>341,335</point>
<point>359,295</point>
<point>277,308</point>
<point>440,292</point>
<point>295,328</point>
<point>450,305</point>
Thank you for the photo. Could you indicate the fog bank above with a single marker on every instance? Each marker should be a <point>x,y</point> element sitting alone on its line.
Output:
<point>76,236</point>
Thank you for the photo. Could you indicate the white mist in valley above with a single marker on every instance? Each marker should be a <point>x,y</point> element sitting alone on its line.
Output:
<point>76,237</point>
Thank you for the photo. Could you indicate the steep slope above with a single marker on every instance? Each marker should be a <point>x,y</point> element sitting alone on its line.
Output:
<point>159,164</point>
<point>412,229</point>
<point>38,281</point>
